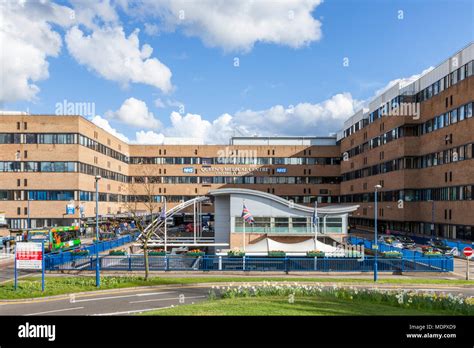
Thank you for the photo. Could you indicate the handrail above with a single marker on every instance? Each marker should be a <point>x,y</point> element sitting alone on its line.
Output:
<point>170,213</point>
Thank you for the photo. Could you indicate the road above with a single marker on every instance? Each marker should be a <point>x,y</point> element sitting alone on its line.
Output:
<point>7,271</point>
<point>113,302</point>
<point>460,268</point>
<point>132,301</point>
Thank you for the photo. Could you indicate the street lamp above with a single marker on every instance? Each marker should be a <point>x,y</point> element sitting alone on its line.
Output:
<point>97,269</point>
<point>377,187</point>
<point>432,216</point>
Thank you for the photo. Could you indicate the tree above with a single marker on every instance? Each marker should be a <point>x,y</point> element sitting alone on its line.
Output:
<point>141,194</point>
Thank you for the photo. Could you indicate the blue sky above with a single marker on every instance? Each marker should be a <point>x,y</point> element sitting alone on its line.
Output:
<point>277,72</point>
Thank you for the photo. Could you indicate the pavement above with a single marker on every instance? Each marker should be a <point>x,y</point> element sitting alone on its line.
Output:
<point>143,299</point>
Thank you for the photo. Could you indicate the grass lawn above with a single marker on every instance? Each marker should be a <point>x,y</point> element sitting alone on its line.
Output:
<point>272,305</point>
<point>30,287</point>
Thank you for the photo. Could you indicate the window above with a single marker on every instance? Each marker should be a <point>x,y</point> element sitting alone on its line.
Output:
<point>454,116</point>
<point>10,138</point>
<point>10,166</point>
<point>461,113</point>
<point>51,195</point>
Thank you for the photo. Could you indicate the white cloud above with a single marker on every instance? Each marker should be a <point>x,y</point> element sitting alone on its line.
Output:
<point>27,40</point>
<point>236,25</point>
<point>299,120</point>
<point>148,137</point>
<point>134,112</point>
<point>404,81</point>
<point>105,125</point>
<point>112,55</point>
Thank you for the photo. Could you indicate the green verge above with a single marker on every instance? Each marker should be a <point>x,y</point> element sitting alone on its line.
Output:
<point>278,305</point>
<point>30,287</point>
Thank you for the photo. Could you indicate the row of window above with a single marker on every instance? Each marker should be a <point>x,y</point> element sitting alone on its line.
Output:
<point>238,180</point>
<point>383,139</point>
<point>444,120</point>
<point>425,94</point>
<point>455,154</point>
<point>105,150</point>
<point>237,160</point>
<point>61,138</point>
<point>454,193</point>
<point>447,81</point>
<point>104,173</point>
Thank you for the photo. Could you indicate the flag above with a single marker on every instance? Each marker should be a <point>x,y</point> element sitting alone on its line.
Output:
<point>315,213</point>
<point>163,212</point>
<point>247,216</point>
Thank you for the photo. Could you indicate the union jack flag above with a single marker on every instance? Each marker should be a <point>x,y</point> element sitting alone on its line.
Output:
<point>247,216</point>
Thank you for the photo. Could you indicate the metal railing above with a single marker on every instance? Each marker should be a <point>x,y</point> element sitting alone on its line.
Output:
<point>250,263</point>
<point>66,257</point>
<point>443,261</point>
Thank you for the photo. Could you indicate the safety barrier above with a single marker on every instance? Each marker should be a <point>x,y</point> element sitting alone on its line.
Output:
<point>250,263</point>
<point>444,262</point>
<point>66,257</point>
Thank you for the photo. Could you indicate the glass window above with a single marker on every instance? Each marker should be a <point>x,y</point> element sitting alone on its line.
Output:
<point>461,113</point>
<point>469,110</point>
<point>454,116</point>
<point>440,121</point>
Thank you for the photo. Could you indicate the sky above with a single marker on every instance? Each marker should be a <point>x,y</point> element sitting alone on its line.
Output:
<point>147,70</point>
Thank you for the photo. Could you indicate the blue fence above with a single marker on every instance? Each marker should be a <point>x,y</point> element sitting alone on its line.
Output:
<point>425,240</point>
<point>249,263</point>
<point>408,255</point>
<point>53,260</point>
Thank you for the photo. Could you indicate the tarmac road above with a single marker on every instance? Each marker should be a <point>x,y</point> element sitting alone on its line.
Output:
<point>136,300</point>
<point>107,302</point>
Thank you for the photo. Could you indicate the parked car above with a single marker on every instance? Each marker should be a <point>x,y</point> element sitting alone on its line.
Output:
<point>391,240</point>
<point>441,246</point>
<point>407,242</point>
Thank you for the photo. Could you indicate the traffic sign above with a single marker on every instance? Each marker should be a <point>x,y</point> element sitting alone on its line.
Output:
<point>29,255</point>
<point>467,252</point>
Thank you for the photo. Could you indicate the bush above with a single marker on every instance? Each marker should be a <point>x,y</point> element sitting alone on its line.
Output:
<point>315,253</point>
<point>79,252</point>
<point>276,253</point>
<point>432,254</point>
<point>195,253</point>
<point>392,254</point>
<point>157,253</point>
<point>117,252</point>
<point>235,253</point>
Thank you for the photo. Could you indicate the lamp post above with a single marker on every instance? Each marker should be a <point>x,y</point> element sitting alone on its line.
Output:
<point>377,187</point>
<point>432,216</point>
<point>97,268</point>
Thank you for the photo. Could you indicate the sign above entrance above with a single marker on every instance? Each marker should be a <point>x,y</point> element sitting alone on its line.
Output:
<point>233,170</point>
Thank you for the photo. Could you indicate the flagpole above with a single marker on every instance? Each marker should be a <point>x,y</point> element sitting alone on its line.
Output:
<point>244,237</point>
<point>317,224</point>
<point>166,229</point>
